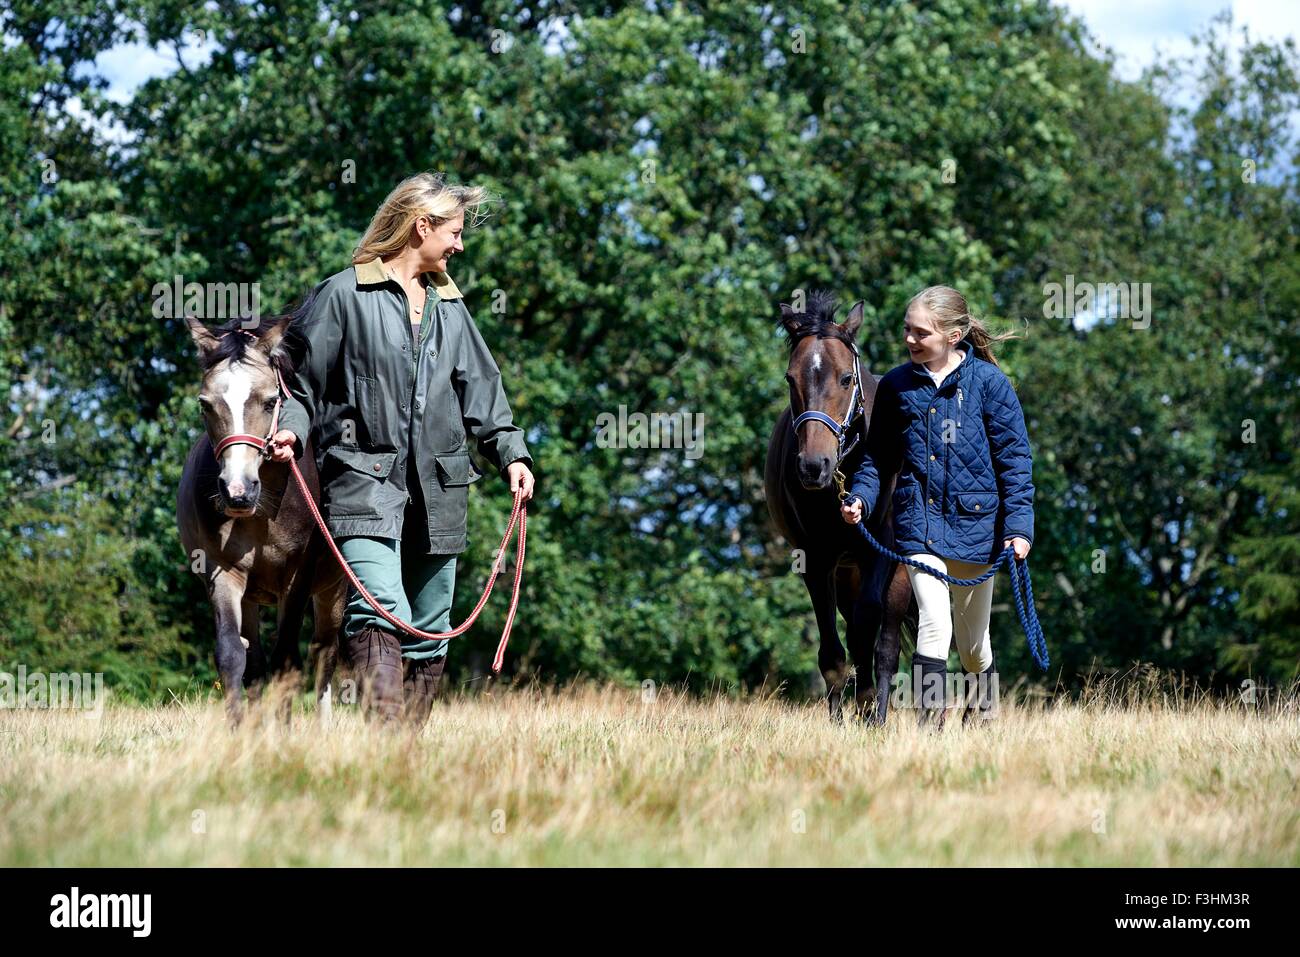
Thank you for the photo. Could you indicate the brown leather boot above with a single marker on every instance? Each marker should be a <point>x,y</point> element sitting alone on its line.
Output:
<point>375,657</point>
<point>420,682</point>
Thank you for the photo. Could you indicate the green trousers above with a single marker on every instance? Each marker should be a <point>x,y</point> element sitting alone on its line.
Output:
<point>410,584</point>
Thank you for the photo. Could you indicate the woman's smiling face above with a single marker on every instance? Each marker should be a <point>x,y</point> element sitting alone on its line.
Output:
<point>442,242</point>
<point>922,337</point>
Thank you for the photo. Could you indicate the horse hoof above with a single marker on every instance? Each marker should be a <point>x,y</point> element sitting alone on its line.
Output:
<point>837,711</point>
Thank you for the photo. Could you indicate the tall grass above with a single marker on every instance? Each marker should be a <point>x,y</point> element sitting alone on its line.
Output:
<point>1134,772</point>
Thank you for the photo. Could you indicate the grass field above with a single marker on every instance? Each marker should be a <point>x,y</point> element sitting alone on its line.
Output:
<point>599,776</point>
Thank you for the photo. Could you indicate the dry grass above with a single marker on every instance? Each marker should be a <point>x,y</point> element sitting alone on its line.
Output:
<point>596,776</point>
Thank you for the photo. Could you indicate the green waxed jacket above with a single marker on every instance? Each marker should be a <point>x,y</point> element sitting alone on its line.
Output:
<point>385,411</point>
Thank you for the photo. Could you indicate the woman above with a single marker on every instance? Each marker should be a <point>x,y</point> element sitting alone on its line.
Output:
<point>951,420</point>
<point>393,375</point>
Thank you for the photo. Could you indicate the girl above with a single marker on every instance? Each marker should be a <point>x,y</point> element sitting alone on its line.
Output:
<point>393,376</point>
<point>950,425</point>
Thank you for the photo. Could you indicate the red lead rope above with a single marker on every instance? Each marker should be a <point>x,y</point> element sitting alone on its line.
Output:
<point>518,513</point>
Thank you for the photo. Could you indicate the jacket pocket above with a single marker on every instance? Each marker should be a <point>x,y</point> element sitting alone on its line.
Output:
<point>457,468</point>
<point>352,479</point>
<point>977,503</point>
<point>378,415</point>
<point>449,497</point>
<point>973,524</point>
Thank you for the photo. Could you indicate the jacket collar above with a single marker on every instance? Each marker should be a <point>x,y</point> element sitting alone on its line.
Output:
<point>373,272</point>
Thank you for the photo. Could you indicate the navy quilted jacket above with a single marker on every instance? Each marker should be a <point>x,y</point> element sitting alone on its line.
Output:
<point>962,456</point>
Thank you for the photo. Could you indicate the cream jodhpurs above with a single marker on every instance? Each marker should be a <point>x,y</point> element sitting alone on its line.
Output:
<point>967,616</point>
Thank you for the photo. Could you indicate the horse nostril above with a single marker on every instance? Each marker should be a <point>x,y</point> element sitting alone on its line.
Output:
<point>813,465</point>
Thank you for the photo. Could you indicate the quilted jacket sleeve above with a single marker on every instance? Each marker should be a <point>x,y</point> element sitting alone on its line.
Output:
<point>884,448</point>
<point>1004,421</point>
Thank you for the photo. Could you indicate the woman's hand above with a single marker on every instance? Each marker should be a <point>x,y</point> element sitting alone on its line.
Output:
<point>851,510</point>
<point>1022,547</point>
<point>520,477</point>
<point>282,446</point>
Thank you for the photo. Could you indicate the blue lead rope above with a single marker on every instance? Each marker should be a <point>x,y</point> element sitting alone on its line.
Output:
<point>1021,587</point>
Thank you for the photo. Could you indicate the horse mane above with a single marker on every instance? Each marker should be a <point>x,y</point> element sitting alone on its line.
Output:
<point>236,339</point>
<point>817,320</point>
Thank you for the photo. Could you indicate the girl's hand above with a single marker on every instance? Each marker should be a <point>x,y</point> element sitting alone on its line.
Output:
<point>520,477</point>
<point>851,510</point>
<point>1022,547</point>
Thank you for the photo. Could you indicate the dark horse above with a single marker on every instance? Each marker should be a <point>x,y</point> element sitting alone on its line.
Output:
<point>840,569</point>
<point>243,520</point>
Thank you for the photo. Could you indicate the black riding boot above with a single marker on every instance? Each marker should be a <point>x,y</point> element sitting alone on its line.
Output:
<point>932,689</point>
<point>984,704</point>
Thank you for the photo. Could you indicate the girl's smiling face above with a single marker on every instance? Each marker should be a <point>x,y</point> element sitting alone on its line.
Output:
<point>921,335</point>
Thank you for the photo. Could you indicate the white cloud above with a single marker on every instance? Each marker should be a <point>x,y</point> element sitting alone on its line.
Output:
<point>129,65</point>
<point>1145,32</point>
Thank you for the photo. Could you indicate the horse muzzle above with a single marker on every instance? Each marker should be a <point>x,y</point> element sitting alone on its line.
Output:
<point>239,497</point>
<point>814,471</point>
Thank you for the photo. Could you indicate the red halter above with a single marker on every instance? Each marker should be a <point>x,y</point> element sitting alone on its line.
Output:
<point>263,445</point>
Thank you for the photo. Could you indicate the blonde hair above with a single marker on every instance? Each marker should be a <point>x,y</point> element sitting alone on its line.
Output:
<point>950,312</point>
<point>424,194</point>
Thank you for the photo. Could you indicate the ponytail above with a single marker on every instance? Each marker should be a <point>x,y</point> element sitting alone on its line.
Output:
<point>982,341</point>
<point>951,312</point>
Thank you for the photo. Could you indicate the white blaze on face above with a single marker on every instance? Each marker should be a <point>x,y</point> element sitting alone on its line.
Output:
<point>816,359</point>
<point>239,463</point>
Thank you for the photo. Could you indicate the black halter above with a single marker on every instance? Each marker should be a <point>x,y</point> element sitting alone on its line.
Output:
<point>855,409</point>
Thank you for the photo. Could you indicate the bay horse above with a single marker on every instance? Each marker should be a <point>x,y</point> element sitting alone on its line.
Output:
<point>823,431</point>
<point>244,524</point>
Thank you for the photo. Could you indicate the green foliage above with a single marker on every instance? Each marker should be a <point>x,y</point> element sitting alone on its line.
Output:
<point>82,603</point>
<point>668,173</point>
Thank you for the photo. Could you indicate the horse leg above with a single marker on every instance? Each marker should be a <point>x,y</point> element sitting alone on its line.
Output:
<point>858,629</point>
<point>865,614</point>
<point>820,582</point>
<point>227,600</point>
<point>323,654</point>
<point>286,656</point>
<point>250,630</point>
<point>897,599</point>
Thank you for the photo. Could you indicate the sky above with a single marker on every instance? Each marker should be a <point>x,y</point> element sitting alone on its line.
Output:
<point>1142,32</point>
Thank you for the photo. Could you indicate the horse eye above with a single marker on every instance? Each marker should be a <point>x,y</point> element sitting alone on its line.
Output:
<point>789,378</point>
<point>846,379</point>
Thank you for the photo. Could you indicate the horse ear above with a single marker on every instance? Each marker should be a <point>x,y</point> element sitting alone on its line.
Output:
<point>853,322</point>
<point>202,335</point>
<point>272,341</point>
<point>789,318</point>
